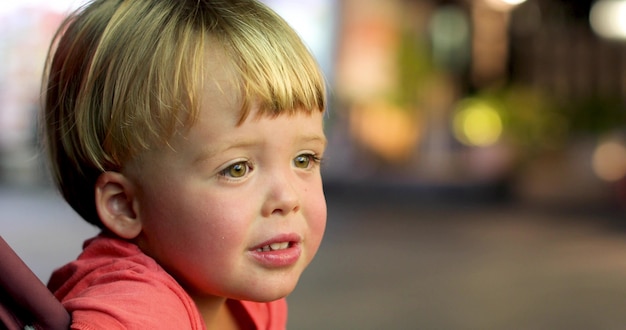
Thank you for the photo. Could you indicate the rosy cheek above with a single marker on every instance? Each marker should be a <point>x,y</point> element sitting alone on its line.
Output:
<point>318,219</point>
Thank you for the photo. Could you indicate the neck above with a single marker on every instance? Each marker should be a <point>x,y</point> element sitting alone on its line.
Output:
<point>215,313</point>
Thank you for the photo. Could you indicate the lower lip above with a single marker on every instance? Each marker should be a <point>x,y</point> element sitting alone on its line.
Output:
<point>280,258</point>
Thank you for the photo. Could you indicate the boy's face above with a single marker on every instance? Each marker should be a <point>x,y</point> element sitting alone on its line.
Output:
<point>233,210</point>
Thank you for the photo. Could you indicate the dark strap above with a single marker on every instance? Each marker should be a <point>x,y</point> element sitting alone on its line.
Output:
<point>24,299</point>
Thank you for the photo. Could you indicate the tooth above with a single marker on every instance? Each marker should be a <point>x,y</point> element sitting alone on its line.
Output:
<point>275,246</point>
<point>279,246</point>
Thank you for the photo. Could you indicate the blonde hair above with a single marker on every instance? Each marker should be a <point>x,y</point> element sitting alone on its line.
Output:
<point>124,76</point>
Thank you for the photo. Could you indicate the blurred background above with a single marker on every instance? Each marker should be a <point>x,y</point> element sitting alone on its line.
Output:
<point>475,173</point>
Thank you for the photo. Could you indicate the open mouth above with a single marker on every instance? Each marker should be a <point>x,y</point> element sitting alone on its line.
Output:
<point>274,247</point>
<point>280,251</point>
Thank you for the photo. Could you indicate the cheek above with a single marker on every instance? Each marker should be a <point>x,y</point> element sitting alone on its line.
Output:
<point>317,219</point>
<point>193,236</point>
<point>191,219</point>
<point>178,224</point>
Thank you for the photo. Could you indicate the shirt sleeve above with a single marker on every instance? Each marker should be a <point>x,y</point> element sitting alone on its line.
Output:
<point>126,299</point>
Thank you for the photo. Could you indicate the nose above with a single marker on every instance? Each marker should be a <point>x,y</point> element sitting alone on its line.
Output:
<point>281,197</point>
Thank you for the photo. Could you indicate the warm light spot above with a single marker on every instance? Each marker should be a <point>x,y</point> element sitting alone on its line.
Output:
<point>608,18</point>
<point>513,2</point>
<point>504,4</point>
<point>389,131</point>
<point>477,124</point>
<point>609,161</point>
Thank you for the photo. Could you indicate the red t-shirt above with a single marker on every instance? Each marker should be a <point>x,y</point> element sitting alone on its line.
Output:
<point>113,285</point>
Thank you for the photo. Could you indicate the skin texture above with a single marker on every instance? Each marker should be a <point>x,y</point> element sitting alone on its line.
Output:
<point>205,204</point>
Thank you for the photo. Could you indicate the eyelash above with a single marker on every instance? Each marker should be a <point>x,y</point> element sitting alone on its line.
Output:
<point>312,158</point>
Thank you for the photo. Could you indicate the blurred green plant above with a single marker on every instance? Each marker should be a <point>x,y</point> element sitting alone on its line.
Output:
<point>415,70</point>
<point>532,119</point>
<point>595,115</point>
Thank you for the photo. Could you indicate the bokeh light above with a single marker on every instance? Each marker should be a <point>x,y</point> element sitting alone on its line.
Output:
<point>608,19</point>
<point>609,160</point>
<point>477,123</point>
<point>504,4</point>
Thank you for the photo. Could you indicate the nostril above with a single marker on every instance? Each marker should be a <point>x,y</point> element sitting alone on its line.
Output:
<point>287,207</point>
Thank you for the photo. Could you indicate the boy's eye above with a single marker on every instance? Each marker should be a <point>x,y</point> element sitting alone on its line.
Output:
<point>304,160</point>
<point>236,170</point>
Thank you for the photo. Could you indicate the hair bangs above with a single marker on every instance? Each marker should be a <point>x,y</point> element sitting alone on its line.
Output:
<point>278,73</point>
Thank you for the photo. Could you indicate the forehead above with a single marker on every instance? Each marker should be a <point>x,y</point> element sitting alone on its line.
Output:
<point>221,87</point>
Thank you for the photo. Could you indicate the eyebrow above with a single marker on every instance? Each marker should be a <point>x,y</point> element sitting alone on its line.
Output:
<point>208,153</point>
<point>313,138</point>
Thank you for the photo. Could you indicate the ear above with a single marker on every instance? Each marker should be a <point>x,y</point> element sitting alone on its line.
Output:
<point>117,205</point>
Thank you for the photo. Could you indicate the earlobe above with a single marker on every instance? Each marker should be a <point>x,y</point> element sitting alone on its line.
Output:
<point>115,203</point>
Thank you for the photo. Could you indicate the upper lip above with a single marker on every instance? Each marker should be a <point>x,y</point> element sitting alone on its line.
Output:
<point>291,238</point>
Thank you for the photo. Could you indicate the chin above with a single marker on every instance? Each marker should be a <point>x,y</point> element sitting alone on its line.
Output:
<point>271,292</point>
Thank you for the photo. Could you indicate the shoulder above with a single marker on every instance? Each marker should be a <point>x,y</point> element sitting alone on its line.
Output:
<point>113,285</point>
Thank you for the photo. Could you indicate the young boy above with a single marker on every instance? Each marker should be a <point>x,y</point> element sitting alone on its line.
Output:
<point>190,132</point>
